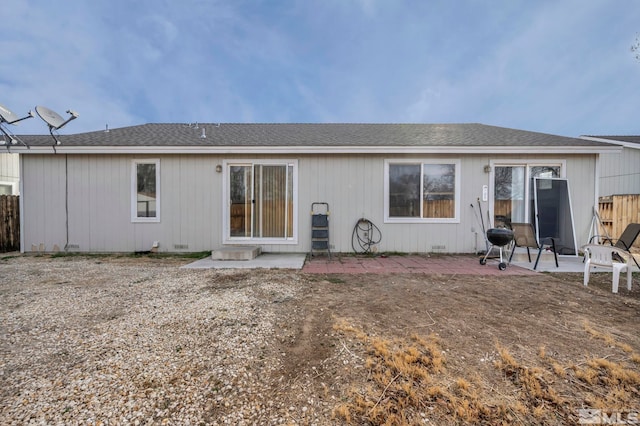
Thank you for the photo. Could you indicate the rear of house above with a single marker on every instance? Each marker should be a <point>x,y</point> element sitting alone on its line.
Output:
<point>190,188</point>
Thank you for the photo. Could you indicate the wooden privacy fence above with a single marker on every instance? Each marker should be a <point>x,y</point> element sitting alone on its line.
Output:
<point>617,211</point>
<point>9,223</point>
<point>438,208</point>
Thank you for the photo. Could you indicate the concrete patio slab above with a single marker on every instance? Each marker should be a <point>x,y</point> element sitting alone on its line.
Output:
<point>467,264</point>
<point>264,261</point>
<point>412,264</point>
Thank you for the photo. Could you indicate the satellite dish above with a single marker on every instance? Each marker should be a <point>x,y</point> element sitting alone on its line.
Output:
<point>52,118</point>
<point>8,117</point>
<point>54,121</point>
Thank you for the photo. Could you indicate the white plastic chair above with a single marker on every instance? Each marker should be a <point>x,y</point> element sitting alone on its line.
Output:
<point>602,256</point>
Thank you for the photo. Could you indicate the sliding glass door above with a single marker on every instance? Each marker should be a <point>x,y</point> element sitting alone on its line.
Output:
<point>241,203</point>
<point>509,194</point>
<point>261,201</point>
<point>513,190</point>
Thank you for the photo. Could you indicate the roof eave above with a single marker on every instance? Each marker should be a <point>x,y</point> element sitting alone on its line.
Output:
<point>612,141</point>
<point>231,150</point>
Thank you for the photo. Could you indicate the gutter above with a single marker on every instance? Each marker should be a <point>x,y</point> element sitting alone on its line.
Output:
<point>234,150</point>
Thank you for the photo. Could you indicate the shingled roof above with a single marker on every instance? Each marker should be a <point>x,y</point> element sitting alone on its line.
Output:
<point>330,137</point>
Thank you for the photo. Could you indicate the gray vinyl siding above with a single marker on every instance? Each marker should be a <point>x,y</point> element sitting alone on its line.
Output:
<point>581,172</point>
<point>99,194</point>
<point>191,204</point>
<point>353,186</point>
<point>620,172</point>
<point>42,199</point>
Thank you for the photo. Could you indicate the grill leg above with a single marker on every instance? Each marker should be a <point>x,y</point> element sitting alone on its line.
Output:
<point>484,259</point>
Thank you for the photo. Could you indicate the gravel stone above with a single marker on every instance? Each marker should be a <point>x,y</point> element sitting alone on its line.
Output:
<point>101,342</point>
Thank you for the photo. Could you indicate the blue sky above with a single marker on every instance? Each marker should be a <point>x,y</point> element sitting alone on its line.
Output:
<point>563,67</point>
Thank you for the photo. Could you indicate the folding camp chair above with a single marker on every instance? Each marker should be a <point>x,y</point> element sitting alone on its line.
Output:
<point>524,236</point>
<point>626,240</point>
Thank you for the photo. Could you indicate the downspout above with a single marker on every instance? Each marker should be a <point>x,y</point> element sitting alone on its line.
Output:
<point>596,196</point>
<point>21,201</point>
<point>66,200</point>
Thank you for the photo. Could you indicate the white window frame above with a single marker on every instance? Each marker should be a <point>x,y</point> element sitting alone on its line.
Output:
<point>422,162</point>
<point>134,191</point>
<point>226,202</point>
<point>527,164</point>
<point>14,186</point>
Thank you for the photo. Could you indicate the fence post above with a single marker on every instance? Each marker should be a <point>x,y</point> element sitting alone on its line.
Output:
<point>9,223</point>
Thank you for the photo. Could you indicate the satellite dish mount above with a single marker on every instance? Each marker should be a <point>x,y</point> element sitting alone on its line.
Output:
<point>54,121</point>
<point>8,117</point>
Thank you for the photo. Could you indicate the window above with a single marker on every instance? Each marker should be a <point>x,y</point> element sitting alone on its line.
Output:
<point>262,200</point>
<point>7,188</point>
<point>422,191</point>
<point>145,193</point>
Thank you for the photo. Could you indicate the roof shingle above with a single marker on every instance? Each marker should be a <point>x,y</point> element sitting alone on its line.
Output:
<point>311,135</point>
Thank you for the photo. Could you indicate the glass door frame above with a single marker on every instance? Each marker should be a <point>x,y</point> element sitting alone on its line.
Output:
<point>226,202</point>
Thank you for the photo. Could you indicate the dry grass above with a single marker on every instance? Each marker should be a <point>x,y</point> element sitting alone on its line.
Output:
<point>408,382</point>
<point>606,337</point>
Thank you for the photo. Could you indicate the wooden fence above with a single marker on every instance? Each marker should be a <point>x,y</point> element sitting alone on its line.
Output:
<point>616,212</point>
<point>9,223</point>
<point>272,219</point>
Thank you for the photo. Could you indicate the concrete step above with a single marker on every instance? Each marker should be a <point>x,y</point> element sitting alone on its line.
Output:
<point>236,253</point>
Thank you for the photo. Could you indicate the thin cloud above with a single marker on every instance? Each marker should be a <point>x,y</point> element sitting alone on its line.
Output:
<point>557,67</point>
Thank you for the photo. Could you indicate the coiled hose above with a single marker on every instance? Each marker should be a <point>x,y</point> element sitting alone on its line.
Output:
<point>365,235</point>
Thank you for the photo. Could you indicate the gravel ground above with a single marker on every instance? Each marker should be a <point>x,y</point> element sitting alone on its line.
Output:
<point>95,341</point>
<point>108,340</point>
